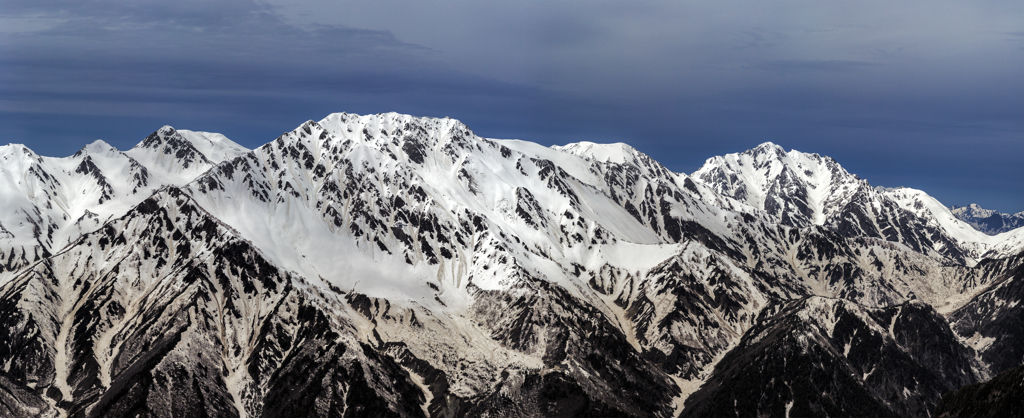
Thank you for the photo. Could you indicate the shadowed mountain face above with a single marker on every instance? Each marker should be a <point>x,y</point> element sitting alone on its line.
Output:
<point>829,357</point>
<point>993,320</point>
<point>1003,396</point>
<point>388,265</point>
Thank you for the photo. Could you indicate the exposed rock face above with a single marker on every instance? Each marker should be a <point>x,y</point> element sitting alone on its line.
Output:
<point>1003,396</point>
<point>799,189</point>
<point>988,221</point>
<point>388,265</point>
<point>829,357</point>
<point>167,312</point>
<point>993,321</point>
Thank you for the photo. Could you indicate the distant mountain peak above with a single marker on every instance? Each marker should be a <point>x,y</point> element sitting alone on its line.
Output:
<point>767,147</point>
<point>989,221</point>
<point>974,210</point>
<point>169,141</point>
<point>800,189</point>
<point>171,155</point>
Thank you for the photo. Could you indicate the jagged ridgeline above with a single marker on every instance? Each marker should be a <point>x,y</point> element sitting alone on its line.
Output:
<point>390,265</point>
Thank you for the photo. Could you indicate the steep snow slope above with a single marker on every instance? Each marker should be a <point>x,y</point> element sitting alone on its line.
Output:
<point>49,202</point>
<point>168,311</point>
<point>368,182</point>
<point>48,199</point>
<point>930,209</point>
<point>176,156</point>
<point>800,189</point>
<point>795,188</point>
<point>215,147</point>
<point>440,222</point>
<point>999,245</point>
<point>478,276</point>
<point>617,153</point>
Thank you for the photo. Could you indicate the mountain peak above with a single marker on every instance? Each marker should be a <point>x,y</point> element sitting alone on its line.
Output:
<point>170,155</point>
<point>216,147</point>
<point>424,269</point>
<point>18,149</point>
<point>158,137</point>
<point>169,141</point>
<point>617,153</point>
<point>389,122</point>
<point>97,147</point>
<point>972,210</point>
<point>989,221</point>
<point>797,188</point>
<point>765,152</point>
<point>768,146</point>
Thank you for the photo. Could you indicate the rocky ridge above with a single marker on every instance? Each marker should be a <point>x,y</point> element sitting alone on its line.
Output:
<point>988,221</point>
<point>416,269</point>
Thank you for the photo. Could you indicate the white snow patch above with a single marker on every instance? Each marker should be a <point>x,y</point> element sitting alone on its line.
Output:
<point>687,388</point>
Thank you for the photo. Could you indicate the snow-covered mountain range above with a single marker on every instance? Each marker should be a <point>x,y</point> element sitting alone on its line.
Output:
<point>801,190</point>
<point>390,265</point>
<point>988,221</point>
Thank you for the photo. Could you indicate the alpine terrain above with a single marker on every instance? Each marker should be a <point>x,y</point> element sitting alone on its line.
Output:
<point>396,266</point>
<point>987,220</point>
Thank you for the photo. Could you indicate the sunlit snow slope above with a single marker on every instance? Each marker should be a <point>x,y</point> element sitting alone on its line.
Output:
<point>391,265</point>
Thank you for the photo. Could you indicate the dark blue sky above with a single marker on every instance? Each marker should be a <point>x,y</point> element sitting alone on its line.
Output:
<point>925,94</point>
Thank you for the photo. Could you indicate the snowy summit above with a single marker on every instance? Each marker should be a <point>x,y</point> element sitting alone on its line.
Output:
<point>404,266</point>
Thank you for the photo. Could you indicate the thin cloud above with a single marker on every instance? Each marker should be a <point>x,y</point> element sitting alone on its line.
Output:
<point>800,66</point>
